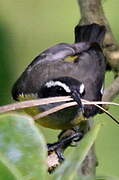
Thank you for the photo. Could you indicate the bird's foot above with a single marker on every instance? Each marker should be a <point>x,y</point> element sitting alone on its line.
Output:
<point>56,148</point>
<point>70,137</point>
<point>66,138</point>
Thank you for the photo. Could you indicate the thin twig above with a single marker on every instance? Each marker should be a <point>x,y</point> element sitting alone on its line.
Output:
<point>55,109</point>
<point>37,102</point>
<point>99,102</point>
<point>106,112</point>
<point>60,107</point>
<point>31,103</point>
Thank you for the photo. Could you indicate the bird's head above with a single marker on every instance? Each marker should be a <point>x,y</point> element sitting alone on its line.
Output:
<point>63,86</point>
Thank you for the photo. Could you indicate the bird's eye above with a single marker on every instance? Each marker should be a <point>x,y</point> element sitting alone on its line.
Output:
<point>60,89</point>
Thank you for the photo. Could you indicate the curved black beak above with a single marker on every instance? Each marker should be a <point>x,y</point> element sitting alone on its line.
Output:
<point>76,97</point>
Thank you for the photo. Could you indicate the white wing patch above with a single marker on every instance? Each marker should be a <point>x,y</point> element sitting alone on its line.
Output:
<point>58,83</point>
<point>82,87</point>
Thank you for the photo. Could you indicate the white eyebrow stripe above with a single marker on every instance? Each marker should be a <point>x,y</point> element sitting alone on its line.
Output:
<point>58,83</point>
<point>82,87</point>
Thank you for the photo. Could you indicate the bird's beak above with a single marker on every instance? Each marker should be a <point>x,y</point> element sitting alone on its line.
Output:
<point>76,97</point>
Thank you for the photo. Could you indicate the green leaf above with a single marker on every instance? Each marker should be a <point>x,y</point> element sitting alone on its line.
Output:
<point>68,169</point>
<point>8,170</point>
<point>23,146</point>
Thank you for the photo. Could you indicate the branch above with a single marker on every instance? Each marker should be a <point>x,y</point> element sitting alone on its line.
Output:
<point>92,12</point>
<point>112,91</point>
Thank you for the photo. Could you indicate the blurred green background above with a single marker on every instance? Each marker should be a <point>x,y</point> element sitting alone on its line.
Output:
<point>27,28</point>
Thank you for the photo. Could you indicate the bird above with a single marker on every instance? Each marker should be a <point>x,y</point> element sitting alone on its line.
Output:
<point>46,77</point>
<point>75,70</point>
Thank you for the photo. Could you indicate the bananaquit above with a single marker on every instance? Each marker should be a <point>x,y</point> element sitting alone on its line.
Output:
<point>50,75</point>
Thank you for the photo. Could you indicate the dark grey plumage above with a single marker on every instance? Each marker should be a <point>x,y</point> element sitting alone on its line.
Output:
<point>87,68</point>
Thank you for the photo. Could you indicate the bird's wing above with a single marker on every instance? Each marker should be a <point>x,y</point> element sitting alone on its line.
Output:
<point>49,64</point>
<point>58,52</point>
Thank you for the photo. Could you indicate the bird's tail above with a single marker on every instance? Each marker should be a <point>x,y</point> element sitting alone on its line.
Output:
<point>93,33</point>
